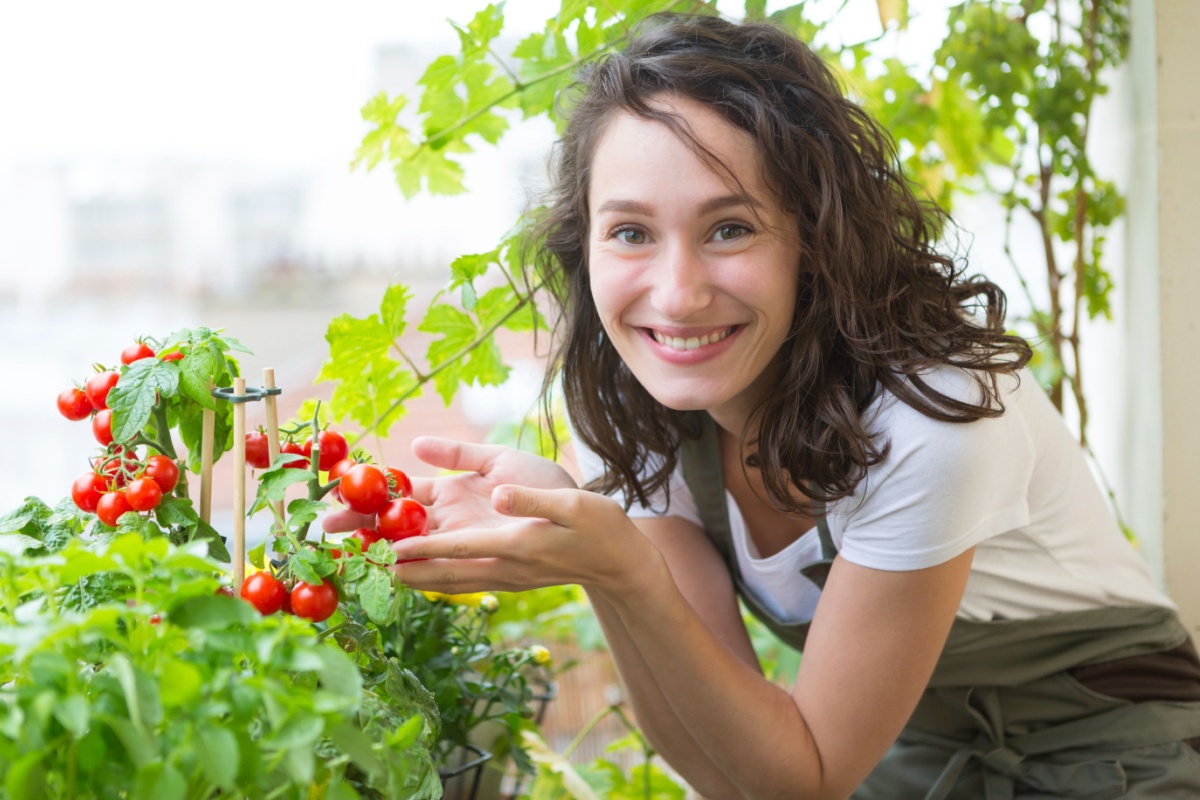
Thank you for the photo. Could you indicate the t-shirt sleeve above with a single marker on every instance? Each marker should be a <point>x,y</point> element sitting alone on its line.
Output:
<point>682,504</point>
<point>943,488</point>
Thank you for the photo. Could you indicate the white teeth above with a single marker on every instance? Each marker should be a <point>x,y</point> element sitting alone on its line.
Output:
<point>691,342</point>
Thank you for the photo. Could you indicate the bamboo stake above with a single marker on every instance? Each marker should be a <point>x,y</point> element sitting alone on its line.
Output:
<point>273,430</point>
<point>239,486</point>
<point>207,434</point>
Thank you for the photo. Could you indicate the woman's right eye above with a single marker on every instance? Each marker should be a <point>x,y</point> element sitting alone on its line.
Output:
<point>630,235</point>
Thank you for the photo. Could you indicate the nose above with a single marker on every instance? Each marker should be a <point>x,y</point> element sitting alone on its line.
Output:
<point>681,283</point>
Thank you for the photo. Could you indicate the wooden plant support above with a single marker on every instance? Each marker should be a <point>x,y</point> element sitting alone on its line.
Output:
<point>272,427</point>
<point>239,395</point>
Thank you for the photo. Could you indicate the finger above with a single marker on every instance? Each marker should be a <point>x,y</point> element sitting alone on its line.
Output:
<point>565,507</point>
<point>455,455</point>
<point>453,577</point>
<point>347,520</point>
<point>423,490</point>
<point>463,544</point>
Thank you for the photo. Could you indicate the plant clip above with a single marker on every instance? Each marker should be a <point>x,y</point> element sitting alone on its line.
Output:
<point>253,394</point>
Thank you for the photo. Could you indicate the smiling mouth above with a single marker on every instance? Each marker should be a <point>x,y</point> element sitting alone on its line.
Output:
<point>691,342</point>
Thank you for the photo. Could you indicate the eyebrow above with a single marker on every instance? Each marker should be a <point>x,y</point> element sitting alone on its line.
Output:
<point>707,207</point>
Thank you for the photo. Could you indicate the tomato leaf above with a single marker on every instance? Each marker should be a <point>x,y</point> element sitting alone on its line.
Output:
<point>375,593</point>
<point>197,378</point>
<point>302,511</point>
<point>217,749</point>
<point>273,482</point>
<point>132,399</point>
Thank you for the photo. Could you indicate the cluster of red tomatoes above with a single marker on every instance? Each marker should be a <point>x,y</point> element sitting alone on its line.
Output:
<point>383,492</point>
<point>269,595</point>
<point>120,481</point>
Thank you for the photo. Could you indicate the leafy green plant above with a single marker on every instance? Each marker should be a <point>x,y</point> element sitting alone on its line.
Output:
<point>125,675</point>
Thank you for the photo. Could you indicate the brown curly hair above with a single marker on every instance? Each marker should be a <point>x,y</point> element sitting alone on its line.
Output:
<point>878,305</point>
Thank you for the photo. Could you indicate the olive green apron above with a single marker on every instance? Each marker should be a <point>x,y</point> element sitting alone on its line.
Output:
<point>1002,718</point>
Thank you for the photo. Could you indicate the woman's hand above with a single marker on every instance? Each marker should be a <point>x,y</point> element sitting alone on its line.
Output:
<point>515,521</point>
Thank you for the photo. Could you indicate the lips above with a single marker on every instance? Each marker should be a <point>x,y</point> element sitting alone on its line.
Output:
<point>684,343</point>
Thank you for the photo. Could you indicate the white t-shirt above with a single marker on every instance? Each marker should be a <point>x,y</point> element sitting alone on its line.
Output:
<point>1016,488</point>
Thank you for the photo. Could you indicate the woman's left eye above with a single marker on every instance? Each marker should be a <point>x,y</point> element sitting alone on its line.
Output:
<point>727,233</point>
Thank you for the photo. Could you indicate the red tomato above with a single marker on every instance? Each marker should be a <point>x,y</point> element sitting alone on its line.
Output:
<point>293,447</point>
<point>398,483</point>
<point>111,506</point>
<point>258,454</point>
<point>333,449</point>
<point>144,494</point>
<point>401,519</point>
<point>338,470</point>
<point>135,352</point>
<point>176,356</point>
<point>102,427</point>
<point>87,490</point>
<point>364,488</point>
<point>265,592</point>
<point>314,602</point>
<point>163,471</point>
<point>98,386</point>
<point>365,536</point>
<point>74,404</point>
<point>225,590</point>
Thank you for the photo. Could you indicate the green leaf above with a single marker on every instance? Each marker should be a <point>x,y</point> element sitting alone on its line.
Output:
<point>141,695</point>
<point>214,612</point>
<point>303,511</point>
<point>273,482</point>
<point>217,749</point>
<point>391,310</point>
<point>375,594</point>
<point>71,711</point>
<point>198,375</point>
<point>159,781</point>
<point>26,778</point>
<point>181,682</point>
<point>132,399</point>
<point>359,747</point>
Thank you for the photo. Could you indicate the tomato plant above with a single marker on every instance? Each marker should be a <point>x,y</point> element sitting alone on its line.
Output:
<point>87,490</point>
<point>314,602</point>
<point>364,488</point>
<point>265,592</point>
<point>102,427</point>
<point>333,449</point>
<point>399,484</point>
<point>258,453</point>
<point>401,519</point>
<point>136,351</point>
<point>73,404</point>
<point>144,494</point>
<point>295,449</point>
<point>163,471</point>
<point>98,387</point>
<point>111,506</point>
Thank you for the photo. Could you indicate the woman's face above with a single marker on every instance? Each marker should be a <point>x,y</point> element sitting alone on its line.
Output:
<point>694,290</point>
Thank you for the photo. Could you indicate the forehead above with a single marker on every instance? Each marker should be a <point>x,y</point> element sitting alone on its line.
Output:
<point>635,153</point>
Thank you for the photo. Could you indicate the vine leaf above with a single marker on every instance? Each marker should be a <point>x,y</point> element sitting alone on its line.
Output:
<point>132,399</point>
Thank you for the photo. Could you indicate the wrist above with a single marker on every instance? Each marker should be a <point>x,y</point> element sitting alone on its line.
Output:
<point>640,570</point>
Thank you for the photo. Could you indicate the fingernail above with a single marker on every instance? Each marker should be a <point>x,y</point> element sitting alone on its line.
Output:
<point>504,500</point>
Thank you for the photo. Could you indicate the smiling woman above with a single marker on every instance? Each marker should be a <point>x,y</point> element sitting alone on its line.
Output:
<point>797,401</point>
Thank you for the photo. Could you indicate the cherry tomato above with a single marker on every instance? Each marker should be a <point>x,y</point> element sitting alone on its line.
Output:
<point>155,619</point>
<point>175,356</point>
<point>111,506</point>
<point>135,352</point>
<point>225,590</point>
<point>87,490</point>
<point>144,494</point>
<point>265,592</point>
<point>163,471</point>
<point>364,488</point>
<point>258,454</point>
<point>98,386</point>
<point>398,483</point>
<point>294,447</point>
<point>315,602</point>
<point>74,404</point>
<point>333,449</point>
<point>401,519</point>
<point>117,466</point>
<point>365,536</point>
<point>102,427</point>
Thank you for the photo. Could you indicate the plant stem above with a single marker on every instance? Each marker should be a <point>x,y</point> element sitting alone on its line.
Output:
<point>586,729</point>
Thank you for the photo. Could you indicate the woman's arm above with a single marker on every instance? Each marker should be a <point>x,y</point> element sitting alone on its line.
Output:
<point>872,648</point>
<point>702,578</point>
